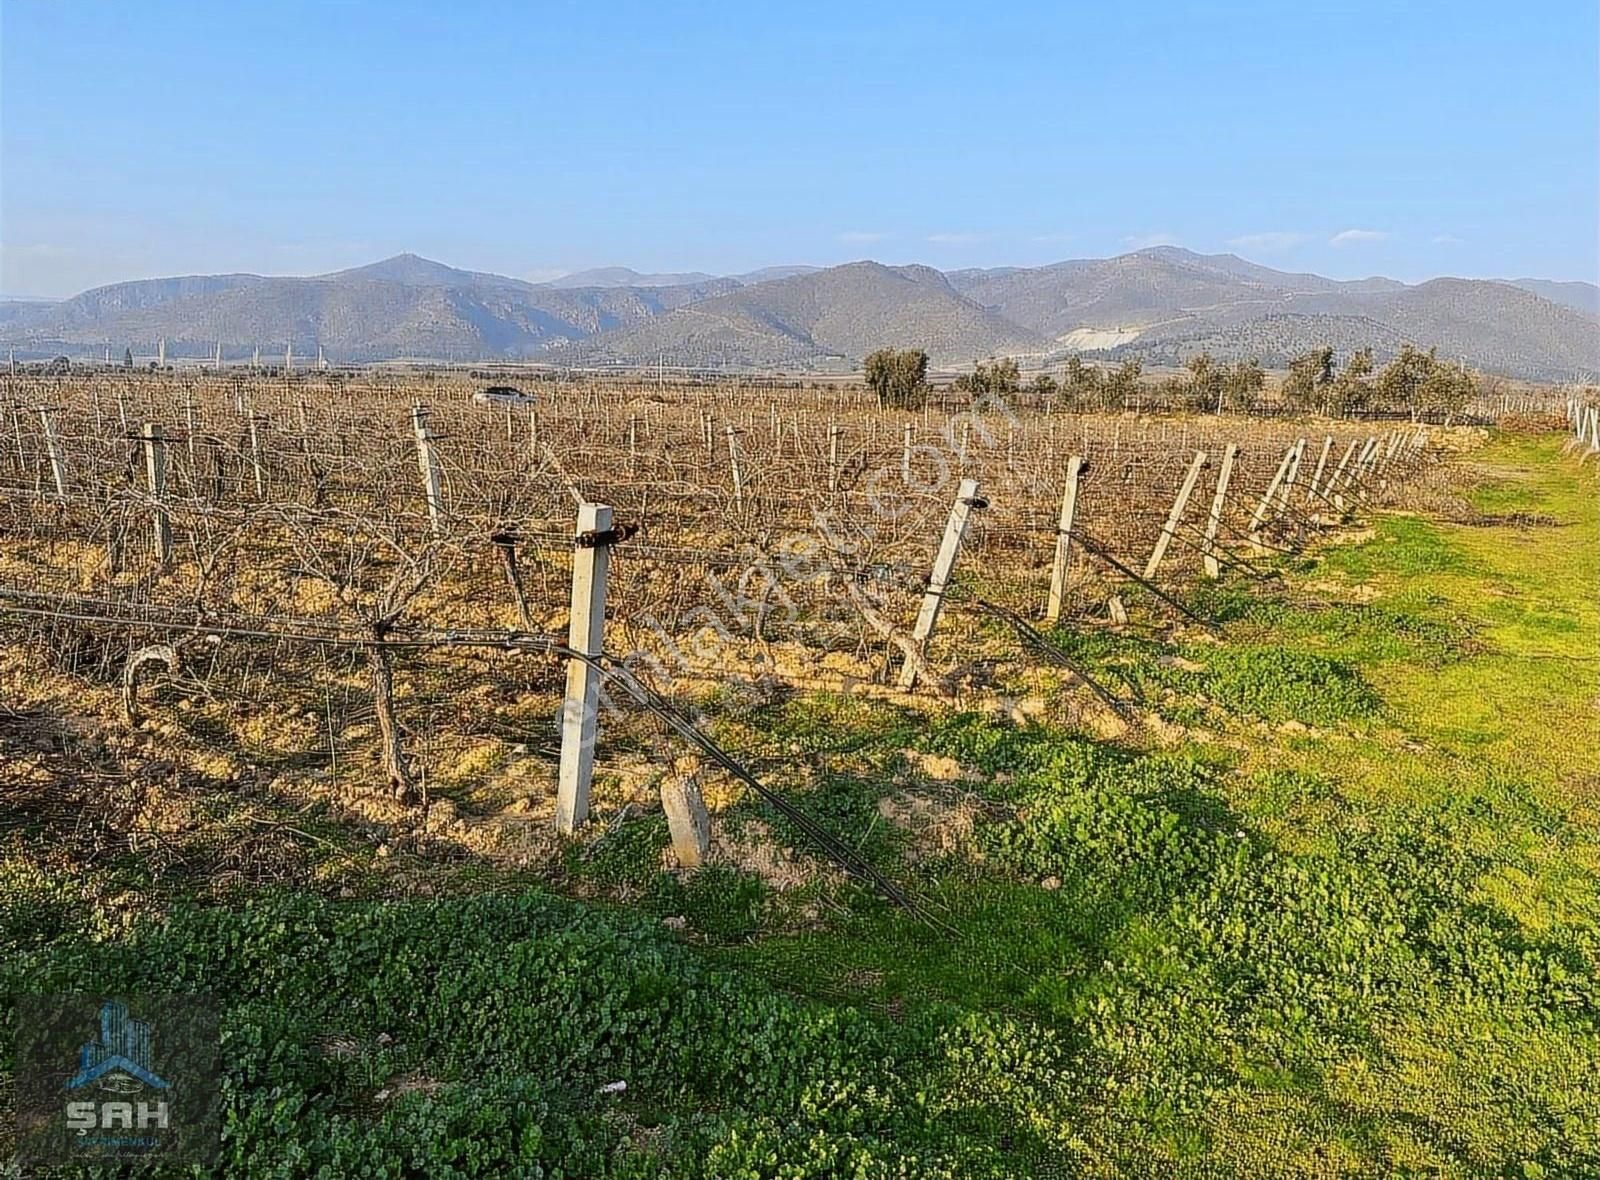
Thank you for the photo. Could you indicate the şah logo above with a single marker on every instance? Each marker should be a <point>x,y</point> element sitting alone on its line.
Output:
<point>118,1062</point>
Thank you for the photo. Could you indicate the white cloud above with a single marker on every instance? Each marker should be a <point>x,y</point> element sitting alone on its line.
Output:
<point>1270,241</point>
<point>1349,237</point>
<point>1447,240</point>
<point>860,237</point>
<point>1053,237</point>
<point>1145,241</point>
<point>956,239</point>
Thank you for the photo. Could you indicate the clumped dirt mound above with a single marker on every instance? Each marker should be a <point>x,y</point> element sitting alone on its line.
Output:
<point>936,824</point>
<point>753,848</point>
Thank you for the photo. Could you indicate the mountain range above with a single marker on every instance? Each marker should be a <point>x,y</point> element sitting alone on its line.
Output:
<point>1160,305</point>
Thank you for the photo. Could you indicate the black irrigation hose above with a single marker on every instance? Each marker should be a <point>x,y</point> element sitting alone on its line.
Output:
<point>1240,534</point>
<point>1031,635</point>
<point>1100,551</point>
<point>1222,556</point>
<point>831,846</point>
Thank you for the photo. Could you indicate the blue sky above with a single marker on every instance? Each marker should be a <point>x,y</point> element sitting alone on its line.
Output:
<point>1349,138</point>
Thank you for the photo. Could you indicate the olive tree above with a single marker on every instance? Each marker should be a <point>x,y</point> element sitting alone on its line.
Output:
<point>898,376</point>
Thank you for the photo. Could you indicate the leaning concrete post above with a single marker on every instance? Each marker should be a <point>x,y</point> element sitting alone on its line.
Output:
<point>1322,463</point>
<point>1340,476</point>
<point>943,564</point>
<point>1069,509</point>
<point>1364,462</point>
<point>1296,453</point>
<point>833,456</point>
<point>1258,518</point>
<point>1174,517</point>
<point>585,635</point>
<point>1208,550</point>
<point>52,446</point>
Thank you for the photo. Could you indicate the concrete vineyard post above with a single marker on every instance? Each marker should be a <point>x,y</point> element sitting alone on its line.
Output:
<point>1175,516</point>
<point>255,457</point>
<point>188,428</point>
<point>1286,491</point>
<point>586,635</point>
<point>52,446</point>
<point>1258,518</point>
<point>1219,501</point>
<point>1363,462</point>
<point>1316,476</point>
<point>1341,475</point>
<point>1069,509</point>
<point>429,466</point>
<point>943,564</point>
<point>833,456</point>
<point>687,820</point>
<point>155,468</point>
<point>16,433</point>
<point>738,472</point>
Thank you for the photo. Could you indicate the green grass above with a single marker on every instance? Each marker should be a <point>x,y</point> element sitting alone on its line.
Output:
<point>1338,915</point>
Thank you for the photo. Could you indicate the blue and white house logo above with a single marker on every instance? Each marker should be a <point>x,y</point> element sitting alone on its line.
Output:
<point>118,1063</point>
<point>113,1075</point>
<point>120,1059</point>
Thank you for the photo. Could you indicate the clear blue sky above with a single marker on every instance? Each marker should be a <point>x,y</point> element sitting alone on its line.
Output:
<point>1350,138</point>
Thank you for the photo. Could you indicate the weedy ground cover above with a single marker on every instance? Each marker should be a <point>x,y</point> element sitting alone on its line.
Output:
<point>1333,908</point>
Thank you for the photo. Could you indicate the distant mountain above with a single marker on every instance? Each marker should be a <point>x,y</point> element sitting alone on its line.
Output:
<point>1163,305</point>
<point>1140,290</point>
<point>412,270</point>
<point>404,306</point>
<point>1578,295</point>
<point>842,312</point>
<point>767,273</point>
<point>621,276</point>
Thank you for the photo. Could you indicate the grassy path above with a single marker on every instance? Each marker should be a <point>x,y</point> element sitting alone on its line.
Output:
<point>1395,968</point>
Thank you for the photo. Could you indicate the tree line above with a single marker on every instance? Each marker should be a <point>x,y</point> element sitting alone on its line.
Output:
<point>1414,382</point>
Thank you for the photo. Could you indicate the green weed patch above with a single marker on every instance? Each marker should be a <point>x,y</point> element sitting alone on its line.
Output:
<point>1280,684</point>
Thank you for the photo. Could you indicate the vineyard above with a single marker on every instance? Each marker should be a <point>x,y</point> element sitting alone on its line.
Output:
<point>748,536</point>
<point>638,777</point>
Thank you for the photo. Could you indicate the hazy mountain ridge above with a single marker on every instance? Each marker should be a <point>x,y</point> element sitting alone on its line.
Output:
<point>843,312</point>
<point>1162,304</point>
<point>1580,296</point>
<point>622,276</point>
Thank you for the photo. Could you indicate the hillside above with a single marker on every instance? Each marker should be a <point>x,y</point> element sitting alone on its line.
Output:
<point>1135,290</point>
<point>1166,304</point>
<point>844,311</point>
<point>1162,304</point>
<point>401,307</point>
<point>1583,297</point>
